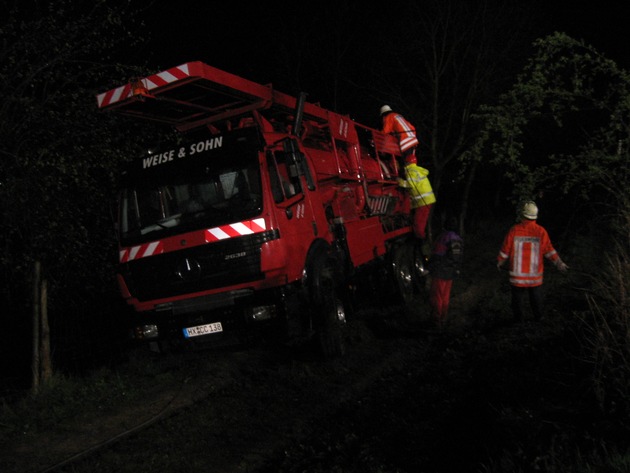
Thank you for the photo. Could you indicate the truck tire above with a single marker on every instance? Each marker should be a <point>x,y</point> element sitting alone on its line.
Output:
<point>329,315</point>
<point>332,330</point>
<point>421,269</point>
<point>404,272</point>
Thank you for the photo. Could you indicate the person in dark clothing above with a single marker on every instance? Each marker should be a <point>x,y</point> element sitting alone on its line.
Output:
<point>444,266</point>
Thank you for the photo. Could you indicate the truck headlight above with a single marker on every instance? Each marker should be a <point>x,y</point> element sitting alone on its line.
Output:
<point>146,331</point>
<point>263,312</point>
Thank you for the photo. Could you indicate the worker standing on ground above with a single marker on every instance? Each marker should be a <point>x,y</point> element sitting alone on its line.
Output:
<point>444,266</point>
<point>525,246</point>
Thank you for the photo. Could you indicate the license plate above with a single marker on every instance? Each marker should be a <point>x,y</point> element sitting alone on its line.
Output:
<point>203,329</point>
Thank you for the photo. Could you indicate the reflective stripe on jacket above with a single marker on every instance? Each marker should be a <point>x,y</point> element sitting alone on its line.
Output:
<point>419,185</point>
<point>526,244</point>
<point>404,131</point>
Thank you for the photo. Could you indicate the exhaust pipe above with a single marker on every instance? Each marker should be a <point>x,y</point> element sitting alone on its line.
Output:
<point>299,114</point>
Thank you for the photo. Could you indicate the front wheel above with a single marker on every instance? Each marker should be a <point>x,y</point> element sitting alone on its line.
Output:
<point>332,329</point>
<point>329,314</point>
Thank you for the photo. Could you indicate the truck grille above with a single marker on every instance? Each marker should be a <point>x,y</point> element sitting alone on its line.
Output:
<point>220,264</point>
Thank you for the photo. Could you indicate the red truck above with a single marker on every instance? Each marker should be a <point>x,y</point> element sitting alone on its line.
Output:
<point>267,213</point>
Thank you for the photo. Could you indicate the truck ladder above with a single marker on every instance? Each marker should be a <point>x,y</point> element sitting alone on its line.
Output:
<point>195,94</point>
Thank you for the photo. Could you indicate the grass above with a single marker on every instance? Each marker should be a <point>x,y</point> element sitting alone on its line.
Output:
<point>66,398</point>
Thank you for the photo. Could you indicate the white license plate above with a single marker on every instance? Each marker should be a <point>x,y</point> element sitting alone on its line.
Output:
<point>203,329</point>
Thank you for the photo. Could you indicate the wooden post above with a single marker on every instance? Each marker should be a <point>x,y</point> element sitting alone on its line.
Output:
<point>36,325</point>
<point>46,362</point>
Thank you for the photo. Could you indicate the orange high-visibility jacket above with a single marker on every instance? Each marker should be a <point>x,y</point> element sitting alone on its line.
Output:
<point>404,131</point>
<point>526,244</point>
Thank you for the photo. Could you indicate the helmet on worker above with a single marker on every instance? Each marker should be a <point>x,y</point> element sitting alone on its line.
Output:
<point>529,210</point>
<point>411,159</point>
<point>385,109</point>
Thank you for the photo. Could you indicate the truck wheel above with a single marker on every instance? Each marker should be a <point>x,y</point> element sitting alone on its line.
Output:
<point>331,331</point>
<point>329,313</point>
<point>421,271</point>
<point>404,273</point>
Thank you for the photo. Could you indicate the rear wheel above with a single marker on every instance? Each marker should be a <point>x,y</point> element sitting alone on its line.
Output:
<point>403,271</point>
<point>420,267</point>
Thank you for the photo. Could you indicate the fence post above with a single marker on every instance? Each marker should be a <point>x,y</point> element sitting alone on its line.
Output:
<point>46,362</point>
<point>36,325</point>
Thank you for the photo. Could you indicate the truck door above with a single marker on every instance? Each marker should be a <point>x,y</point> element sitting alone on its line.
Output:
<point>293,208</point>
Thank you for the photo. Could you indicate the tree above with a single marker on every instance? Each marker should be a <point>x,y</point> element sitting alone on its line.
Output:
<point>57,155</point>
<point>562,128</point>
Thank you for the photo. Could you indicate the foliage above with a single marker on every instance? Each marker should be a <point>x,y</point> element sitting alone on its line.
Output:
<point>561,126</point>
<point>607,322</point>
<point>57,155</point>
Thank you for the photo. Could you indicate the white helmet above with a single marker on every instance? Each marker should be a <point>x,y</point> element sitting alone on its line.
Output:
<point>529,211</point>
<point>385,109</point>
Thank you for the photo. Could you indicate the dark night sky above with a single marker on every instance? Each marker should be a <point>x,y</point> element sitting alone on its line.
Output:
<point>187,29</point>
<point>232,35</point>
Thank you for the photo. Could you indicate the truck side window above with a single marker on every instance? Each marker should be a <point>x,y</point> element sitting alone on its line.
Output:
<point>285,179</point>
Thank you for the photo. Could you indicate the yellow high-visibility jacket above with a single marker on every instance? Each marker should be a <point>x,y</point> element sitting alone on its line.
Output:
<point>419,186</point>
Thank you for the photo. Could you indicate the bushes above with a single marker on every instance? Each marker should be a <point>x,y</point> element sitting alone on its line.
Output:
<point>607,326</point>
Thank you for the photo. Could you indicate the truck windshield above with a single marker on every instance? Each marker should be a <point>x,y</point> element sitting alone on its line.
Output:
<point>179,203</point>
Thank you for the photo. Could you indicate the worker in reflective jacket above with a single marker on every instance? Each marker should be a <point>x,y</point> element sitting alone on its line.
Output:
<point>396,125</point>
<point>421,192</point>
<point>525,246</point>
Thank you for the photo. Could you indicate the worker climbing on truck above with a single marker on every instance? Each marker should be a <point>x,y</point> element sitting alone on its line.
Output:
<point>399,127</point>
<point>422,196</point>
<point>416,181</point>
